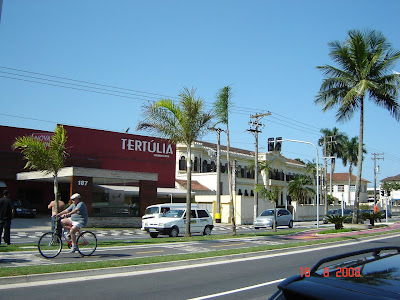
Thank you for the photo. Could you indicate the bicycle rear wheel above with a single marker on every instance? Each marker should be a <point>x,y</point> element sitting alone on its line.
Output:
<point>49,245</point>
<point>87,243</point>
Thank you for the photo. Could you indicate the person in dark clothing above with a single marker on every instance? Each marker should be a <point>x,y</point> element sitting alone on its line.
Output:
<point>6,215</point>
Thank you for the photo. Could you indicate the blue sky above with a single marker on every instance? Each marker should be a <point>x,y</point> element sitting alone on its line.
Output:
<point>266,50</point>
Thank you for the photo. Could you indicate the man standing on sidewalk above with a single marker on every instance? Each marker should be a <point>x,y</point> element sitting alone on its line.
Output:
<point>6,215</point>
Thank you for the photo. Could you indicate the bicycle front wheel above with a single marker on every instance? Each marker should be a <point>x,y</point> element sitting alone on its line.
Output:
<point>87,243</point>
<point>49,245</point>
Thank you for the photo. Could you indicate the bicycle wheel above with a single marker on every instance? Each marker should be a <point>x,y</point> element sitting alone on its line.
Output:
<point>49,245</point>
<point>87,243</point>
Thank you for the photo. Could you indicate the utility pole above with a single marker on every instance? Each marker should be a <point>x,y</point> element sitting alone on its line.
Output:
<point>376,157</point>
<point>325,170</point>
<point>218,212</point>
<point>255,129</point>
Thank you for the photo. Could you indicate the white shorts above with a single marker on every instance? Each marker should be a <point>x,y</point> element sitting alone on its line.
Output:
<point>77,224</point>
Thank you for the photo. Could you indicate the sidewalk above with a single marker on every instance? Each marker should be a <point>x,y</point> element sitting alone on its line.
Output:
<point>313,234</point>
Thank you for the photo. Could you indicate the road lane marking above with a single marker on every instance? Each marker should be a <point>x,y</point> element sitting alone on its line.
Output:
<point>150,251</point>
<point>228,245</point>
<point>238,290</point>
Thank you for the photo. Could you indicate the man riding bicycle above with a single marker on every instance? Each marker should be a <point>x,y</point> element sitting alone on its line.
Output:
<point>76,216</point>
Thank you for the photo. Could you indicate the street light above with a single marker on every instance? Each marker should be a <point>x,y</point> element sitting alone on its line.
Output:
<point>317,167</point>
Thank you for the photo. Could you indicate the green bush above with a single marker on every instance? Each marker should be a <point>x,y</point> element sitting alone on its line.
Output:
<point>337,220</point>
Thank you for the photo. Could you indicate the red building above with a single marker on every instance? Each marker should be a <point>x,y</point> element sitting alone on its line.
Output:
<point>117,174</point>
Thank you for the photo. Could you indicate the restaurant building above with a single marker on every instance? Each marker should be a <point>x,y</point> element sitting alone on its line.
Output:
<point>117,174</point>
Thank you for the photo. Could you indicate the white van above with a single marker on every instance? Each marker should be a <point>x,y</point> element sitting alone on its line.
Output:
<point>158,210</point>
<point>173,223</point>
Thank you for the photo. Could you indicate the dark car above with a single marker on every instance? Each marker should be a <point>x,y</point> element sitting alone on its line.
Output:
<point>366,274</point>
<point>22,209</point>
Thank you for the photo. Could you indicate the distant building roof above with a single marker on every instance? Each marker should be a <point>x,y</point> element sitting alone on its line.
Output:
<point>196,186</point>
<point>392,178</point>
<point>242,151</point>
<point>343,177</point>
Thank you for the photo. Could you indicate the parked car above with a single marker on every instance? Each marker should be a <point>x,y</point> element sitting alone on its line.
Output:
<point>266,218</point>
<point>22,209</point>
<point>384,214</point>
<point>173,223</point>
<point>366,274</point>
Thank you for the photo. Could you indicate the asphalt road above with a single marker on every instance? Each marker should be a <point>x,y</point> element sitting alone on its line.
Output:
<point>244,278</point>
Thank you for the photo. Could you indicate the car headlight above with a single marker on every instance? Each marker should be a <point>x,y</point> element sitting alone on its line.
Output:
<point>19,209</point>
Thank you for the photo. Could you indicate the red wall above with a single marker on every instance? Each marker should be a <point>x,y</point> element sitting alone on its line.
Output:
<point>125,152</point>
<point>110,150</point>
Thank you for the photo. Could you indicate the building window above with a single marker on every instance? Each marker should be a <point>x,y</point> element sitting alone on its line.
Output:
<point>196,163</point>
<point>182,164</point>
<point>352,188</point>
<point>204,168</point>
<point>341,188</point>
<point>240,192</point>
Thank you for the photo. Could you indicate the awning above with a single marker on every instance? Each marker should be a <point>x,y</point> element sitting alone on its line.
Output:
<point>134,190</point>
<point>100,176</point>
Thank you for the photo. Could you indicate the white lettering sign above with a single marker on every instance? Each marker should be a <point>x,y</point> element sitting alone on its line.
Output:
<point>43,137</point>
<point>159,149</point>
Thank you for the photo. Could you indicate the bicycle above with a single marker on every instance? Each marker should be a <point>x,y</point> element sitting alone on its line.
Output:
<point>50,244</point>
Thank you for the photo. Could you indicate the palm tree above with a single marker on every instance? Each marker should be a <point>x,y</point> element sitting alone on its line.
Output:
<point>299,188</point>
<point>350,155</point>
<point>183,122</point>
<point>365,60</point>
<point>47,158</point>
<point>221,109</point>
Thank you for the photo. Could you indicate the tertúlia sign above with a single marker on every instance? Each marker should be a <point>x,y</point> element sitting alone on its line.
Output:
<point>158,149</point>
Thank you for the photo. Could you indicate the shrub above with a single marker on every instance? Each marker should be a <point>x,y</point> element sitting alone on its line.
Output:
<point>337,220</point>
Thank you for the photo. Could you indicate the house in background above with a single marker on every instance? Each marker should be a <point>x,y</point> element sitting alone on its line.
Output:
<point>345,192</point>
<point>394,197</point>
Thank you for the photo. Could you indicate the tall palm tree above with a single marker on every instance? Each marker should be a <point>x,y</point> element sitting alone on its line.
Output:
<point>221,108</point>
<point>365,60</point>
<point>299,188</point>
<point>184,123</point>
<point>47,158</point>
<point>350,155</point>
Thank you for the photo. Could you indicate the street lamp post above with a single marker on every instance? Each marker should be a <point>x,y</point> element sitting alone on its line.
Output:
<point>317,167</point>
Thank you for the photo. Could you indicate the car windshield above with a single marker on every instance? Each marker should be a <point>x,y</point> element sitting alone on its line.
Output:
<point>152,210</point>
<point>269,212</point>
<point>331,212</point>
<point>174,213</point>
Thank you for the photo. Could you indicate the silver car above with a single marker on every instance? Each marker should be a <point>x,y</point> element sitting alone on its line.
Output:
<point>266,219</point>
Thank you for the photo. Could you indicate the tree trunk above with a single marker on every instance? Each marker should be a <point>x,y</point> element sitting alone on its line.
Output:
<point>274,224</point>
<point>350,174</point>
<point>359,164</point>
<point>188,189</point>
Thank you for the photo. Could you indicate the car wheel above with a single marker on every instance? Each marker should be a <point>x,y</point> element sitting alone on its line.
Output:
<point>174,232</point>
<point>290,225</point>
<point>154,234</point>
<point>207,230</point>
